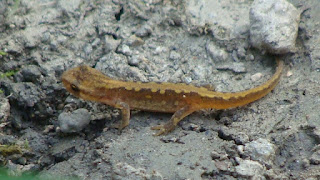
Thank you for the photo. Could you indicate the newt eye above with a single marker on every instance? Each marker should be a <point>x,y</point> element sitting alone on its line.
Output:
<point>74,88</point>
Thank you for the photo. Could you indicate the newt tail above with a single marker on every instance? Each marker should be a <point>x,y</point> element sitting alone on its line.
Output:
<point>181,99</point>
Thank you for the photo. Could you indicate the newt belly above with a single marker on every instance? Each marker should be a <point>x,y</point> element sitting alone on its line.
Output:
<point>180,99</point>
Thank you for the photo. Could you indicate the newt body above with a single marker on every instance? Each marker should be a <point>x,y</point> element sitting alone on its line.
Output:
<point>180,99</point>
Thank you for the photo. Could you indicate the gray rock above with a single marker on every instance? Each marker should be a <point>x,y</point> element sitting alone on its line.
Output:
<point>215,155</point>
<point>7,139</point>
<point>67,147</point>
<point>69,6</point>
<point>26,94</point>
<point>36,141</point>
<point>73,100</point>
<point>31,73</point>
<point>4,109</point>
<point>14,47</point>
<point>174,55</point>
<point>260,150</point>
<point>144,31</point>
<point>315,158</point>
<point>7,66</point>
<point>249,168</point>
<point>126,171</point>
<point>134,41</point>
<point>16,119</point>
<point>87,49</point>
<point>31,37</point>
<point>213,13</point>
<point>74,121</point>
<point>235,67</point>
<point>22,160</point>
<point>134,60</point>
<point>216,53</point>
<point>17,169</point>
<point>54,67</point>
<point>274,25</point>
<point>110,44</point>
<point>125,50</point>
<point>96,42</point>
<point>3,9</point>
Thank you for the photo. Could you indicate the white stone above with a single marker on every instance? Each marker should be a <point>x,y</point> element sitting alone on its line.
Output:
<point>274,26</point>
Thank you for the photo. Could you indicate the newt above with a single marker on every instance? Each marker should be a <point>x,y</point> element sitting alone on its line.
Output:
<point>181,99</point>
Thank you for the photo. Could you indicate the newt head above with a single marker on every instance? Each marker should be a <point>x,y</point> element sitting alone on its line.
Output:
<point>84,82</point>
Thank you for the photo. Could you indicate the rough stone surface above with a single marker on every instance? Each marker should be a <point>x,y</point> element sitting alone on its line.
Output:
<point>274,26</point>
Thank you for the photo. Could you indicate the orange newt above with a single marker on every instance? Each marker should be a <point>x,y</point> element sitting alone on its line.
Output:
<point>180,99</point>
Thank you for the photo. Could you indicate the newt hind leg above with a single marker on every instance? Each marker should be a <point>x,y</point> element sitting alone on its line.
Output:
<point>175,119</point>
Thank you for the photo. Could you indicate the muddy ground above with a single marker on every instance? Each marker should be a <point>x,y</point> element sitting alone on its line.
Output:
<point>276,137</point>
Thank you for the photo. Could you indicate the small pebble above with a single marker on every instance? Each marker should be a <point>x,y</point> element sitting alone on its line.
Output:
<point>158,50</point>
<point>216,53</point>
<point>315,158</point>
<point>134,61</point>
<point>174,55</point>
<point>31,73</point>
<point>256,76</point>
<point>249,168</point>
<point>235,67</point>
<point>134,41</point>
<point>260,150</point>
<point>125,49</point>
<point>74,121</point>
<point>4,109</point>
<point>144,31</point>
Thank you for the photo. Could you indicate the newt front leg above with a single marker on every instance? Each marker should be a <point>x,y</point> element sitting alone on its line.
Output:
<point>125,112</point>
<point>175,119</point>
